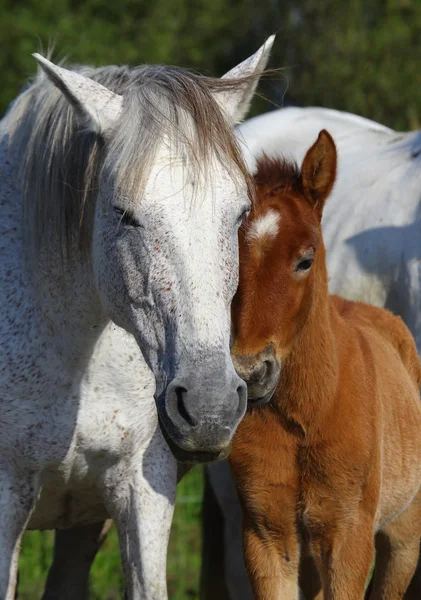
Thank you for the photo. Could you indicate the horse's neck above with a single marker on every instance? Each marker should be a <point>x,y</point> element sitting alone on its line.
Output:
<point>61,299</point>
<point>67,297</point>
<point>309,375</point>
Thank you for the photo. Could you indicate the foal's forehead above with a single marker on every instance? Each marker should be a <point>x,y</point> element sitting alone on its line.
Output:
<point>281,220</point>
<point>266,225</point>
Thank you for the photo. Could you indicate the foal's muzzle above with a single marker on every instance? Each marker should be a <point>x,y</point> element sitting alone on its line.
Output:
<point>261,373</point>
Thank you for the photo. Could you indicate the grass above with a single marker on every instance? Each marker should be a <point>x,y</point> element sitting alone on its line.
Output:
<point>107,581</point>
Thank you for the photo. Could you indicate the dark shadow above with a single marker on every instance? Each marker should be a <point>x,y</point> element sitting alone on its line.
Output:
<point>212,573</point>
<point>385,253</point>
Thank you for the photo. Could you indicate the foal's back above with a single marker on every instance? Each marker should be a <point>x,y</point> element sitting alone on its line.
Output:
<point>390,327</point>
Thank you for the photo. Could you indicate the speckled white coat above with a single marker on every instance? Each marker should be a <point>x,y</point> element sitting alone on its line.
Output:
<point>79,435</point>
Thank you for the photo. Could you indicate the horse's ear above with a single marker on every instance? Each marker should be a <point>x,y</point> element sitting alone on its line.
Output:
<point>96,106</point>
<point>236,102</point>
<point>318,172</point>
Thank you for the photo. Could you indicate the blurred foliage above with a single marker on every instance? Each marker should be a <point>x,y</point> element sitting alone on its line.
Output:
<point>356,55</point>
<point>192,33</point>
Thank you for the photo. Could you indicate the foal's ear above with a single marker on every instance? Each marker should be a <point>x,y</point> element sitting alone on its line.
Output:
<point>318,172</point>
<point>96,106</point>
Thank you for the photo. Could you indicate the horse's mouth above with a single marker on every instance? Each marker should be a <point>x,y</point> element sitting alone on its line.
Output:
<point>190,456</point>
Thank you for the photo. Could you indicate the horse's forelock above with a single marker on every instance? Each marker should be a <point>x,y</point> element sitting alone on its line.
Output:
<point>61,162</point>
<point>181,107</point>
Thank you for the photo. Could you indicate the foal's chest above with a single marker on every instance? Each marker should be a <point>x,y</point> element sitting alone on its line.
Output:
<point>329,489</point>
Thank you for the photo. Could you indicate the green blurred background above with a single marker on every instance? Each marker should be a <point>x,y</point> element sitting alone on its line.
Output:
<point>363,56</point>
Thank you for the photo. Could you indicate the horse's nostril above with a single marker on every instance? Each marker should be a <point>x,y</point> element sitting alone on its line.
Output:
<point>242,395</point>
<point>181,406</point>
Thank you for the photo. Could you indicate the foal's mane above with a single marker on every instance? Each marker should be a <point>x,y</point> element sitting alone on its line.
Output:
<point>62,162</point>
<point>276,172</point>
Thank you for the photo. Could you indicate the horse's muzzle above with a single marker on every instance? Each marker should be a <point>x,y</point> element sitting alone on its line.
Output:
<point>199,421</point>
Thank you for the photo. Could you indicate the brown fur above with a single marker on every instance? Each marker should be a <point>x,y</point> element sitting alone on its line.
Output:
<point>331,466</point>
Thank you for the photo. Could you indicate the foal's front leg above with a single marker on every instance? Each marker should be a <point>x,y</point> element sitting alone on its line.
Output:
<point>271,549</point>
<point>272,564</point>
<point>140,497</point>
<point>344,554</point>
<point>414,590</point>
<point>397,552</point>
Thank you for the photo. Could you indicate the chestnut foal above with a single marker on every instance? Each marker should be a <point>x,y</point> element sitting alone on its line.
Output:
<point>328,459</point>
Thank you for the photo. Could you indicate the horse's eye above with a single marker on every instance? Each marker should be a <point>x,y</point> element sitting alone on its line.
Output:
<point>304,265</point>
<point>126,217</point>
<point>243,216</point>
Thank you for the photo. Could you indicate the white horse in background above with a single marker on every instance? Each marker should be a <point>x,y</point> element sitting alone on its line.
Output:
<point>121,193</point>
<point>372,232</point>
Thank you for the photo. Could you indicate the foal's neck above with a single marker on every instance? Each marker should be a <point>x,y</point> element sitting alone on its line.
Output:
<point>309,374</point>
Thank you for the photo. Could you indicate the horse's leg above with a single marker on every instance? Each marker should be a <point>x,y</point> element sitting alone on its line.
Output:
<point>212,575</point>
<point>223,538</point>
<point>74,552</point>
<point>397,552</point>
<point>236,579</point>
<point>18,493</point>
<point>344,557</point>
<point>140,497</point>
<point>395,565</point>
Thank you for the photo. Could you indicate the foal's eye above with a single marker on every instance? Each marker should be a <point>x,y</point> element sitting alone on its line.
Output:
<point>126,217</point>
<point>304,265</point>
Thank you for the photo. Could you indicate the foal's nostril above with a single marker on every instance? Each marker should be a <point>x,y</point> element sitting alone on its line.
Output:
<point>258,374</point>
<point>264,371</point>
<point>181,405</point>
<point>269,368</point>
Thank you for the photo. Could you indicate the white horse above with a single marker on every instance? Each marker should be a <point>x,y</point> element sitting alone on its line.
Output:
<point>121,193</point>
<point>372,232</point>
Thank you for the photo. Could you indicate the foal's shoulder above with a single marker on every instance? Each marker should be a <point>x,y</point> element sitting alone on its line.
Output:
<point>391,327</point>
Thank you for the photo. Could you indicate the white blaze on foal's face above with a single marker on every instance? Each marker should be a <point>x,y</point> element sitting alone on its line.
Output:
<point>265,226</point>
